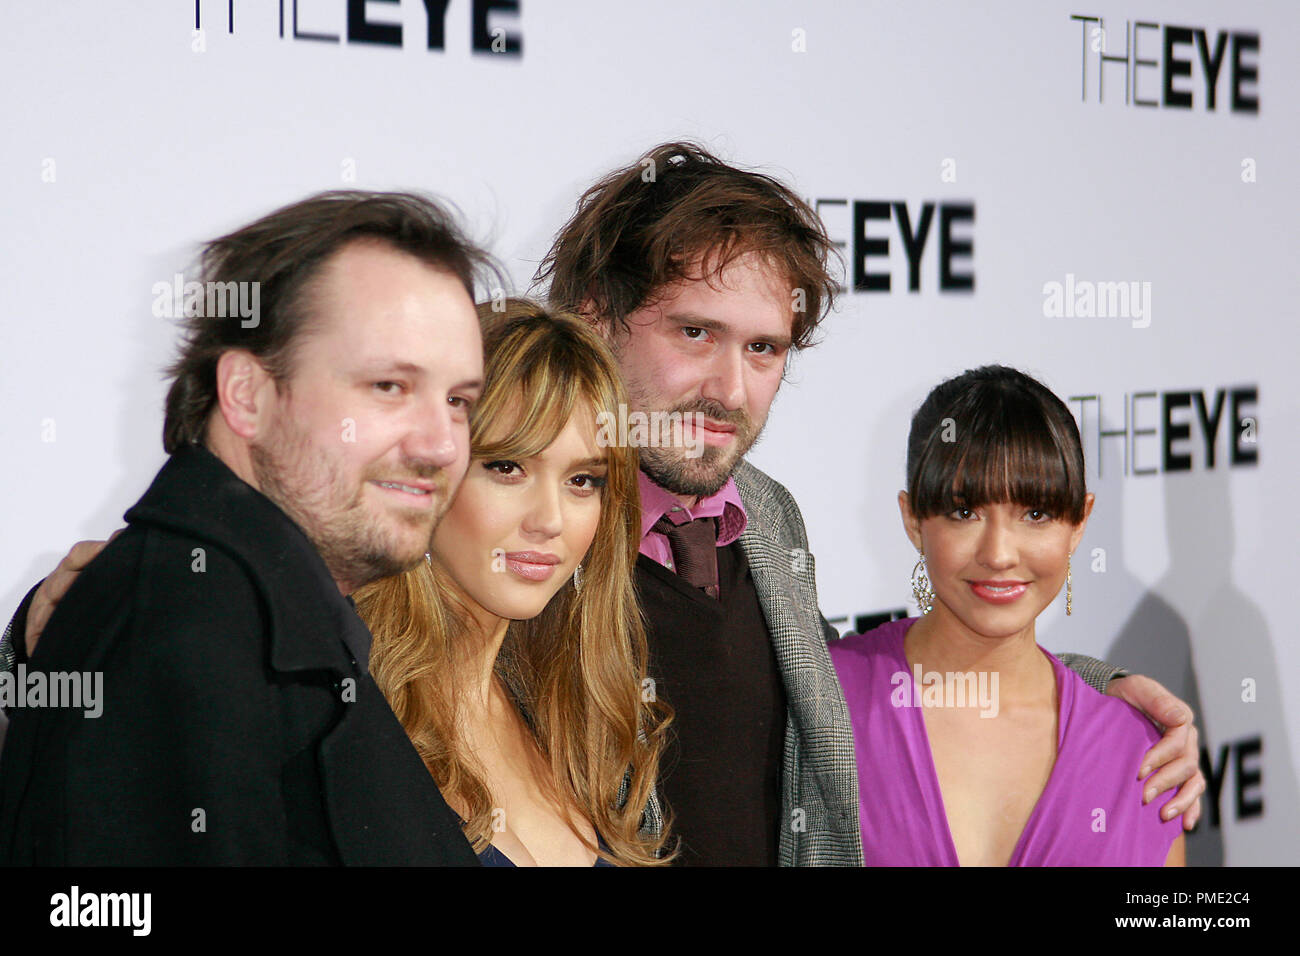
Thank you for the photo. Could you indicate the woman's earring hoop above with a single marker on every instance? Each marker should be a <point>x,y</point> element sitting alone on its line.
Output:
<point>921,588</point>
<point>577,578</point>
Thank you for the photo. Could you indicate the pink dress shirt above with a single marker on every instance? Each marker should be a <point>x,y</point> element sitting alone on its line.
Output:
<point>725,505</point>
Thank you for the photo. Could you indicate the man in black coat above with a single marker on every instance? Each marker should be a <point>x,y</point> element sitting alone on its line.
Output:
<point>314,444</point>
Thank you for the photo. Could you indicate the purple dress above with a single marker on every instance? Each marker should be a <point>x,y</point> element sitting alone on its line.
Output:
<point>1089,814</point>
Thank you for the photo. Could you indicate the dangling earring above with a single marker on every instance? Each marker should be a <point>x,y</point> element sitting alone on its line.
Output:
<point>921,586</point>
<point>577,578</point>
<point>1069,593</point>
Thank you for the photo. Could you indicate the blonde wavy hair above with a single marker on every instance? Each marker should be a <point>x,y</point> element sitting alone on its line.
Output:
<point>575,671</point>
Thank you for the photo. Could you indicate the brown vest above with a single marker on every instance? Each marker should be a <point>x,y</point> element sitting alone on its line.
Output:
<point>712,660</point>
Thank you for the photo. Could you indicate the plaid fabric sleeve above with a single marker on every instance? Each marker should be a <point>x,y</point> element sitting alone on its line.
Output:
<point>13,644</point>
<point>1096,674</point>
<point>14,640</point>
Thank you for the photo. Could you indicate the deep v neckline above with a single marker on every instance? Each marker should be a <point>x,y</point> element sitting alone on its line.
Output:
<point>930,772</point>
<point>492,848</point>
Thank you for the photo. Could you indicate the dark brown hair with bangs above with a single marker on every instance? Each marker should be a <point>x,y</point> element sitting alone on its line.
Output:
<point>680,213</point>
<point>994,434</point>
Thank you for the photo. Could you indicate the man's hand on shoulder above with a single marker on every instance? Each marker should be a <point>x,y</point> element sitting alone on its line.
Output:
<point>1176,757</point>
<point>54,587</point>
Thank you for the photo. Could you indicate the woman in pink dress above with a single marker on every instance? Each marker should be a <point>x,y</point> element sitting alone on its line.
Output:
<point>975,746</point>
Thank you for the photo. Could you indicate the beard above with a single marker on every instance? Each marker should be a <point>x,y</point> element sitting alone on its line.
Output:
<point>359,544</point>
<point>672,469</point>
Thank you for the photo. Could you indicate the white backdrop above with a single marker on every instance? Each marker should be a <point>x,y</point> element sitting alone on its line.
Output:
<point>128,137</point>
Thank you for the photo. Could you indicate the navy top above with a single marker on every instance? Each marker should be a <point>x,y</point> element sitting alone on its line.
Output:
<point>494,857</point>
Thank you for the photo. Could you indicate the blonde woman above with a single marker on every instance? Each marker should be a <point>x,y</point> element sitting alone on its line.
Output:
<point>515,656</point>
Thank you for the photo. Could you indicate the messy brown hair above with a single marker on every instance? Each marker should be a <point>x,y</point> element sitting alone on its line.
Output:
<point>679,213</point>
<point>282,252</point>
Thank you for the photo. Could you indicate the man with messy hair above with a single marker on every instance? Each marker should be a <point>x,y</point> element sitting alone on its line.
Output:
<point>704,277</point>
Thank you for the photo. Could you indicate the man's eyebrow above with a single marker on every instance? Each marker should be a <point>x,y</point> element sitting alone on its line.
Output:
<point>698,321</point>
<point>384,367</point>
<point>695,320</point>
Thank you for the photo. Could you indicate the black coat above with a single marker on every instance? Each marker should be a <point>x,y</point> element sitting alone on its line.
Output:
<point>239,722</point>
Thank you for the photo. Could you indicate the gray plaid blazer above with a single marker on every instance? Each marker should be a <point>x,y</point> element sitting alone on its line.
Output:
<point>819,786</point>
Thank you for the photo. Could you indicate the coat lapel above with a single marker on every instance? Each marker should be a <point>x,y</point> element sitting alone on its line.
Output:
<point>784,580</point>
<point>820,743</point>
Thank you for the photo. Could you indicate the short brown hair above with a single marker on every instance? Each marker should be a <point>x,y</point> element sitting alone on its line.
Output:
<point>647,225</point>
<point>282,252</point>
<point>994,434</point>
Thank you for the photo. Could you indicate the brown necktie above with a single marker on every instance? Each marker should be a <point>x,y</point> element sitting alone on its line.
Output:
<point>695,551</point>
